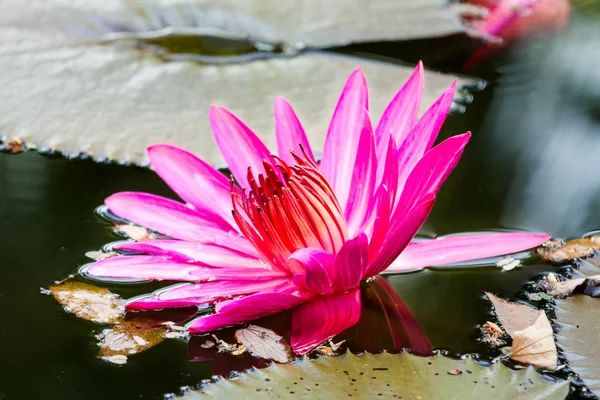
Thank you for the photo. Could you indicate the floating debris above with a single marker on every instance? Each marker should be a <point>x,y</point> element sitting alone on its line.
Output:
<point>508,263</point>
<point>561,289</point>
<point>558,251</point>
<point>264,343</point>
<point>130,337</point>
<point>530,329</point>
<point>89,302</point>
<point>12,145</point>
<point>492,333</point>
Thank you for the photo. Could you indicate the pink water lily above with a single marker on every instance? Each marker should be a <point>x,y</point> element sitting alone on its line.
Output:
<point>294,233</point>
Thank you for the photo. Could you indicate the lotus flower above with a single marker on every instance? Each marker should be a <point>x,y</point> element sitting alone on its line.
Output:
<point>297,234</point>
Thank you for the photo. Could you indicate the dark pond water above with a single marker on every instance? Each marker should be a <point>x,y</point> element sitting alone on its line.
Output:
<point>504,181</point>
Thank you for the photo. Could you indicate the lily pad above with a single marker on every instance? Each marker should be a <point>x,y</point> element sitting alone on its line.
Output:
<point>300,23</point>
<point>579,324</point>
<point>385,376</point>
<point>73,94</point>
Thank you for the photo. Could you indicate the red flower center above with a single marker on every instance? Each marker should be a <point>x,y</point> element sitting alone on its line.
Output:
<point>289,208</point>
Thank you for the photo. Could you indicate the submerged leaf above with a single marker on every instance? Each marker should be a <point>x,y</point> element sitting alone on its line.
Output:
<point>577,336</point>
<point>265,343</point>
<point>384,376</point>
<point>530,329</point>
<point>130,337</point>
<point>88,302</point>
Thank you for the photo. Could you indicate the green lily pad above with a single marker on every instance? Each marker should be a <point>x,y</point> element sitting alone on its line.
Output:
<point>66,92</point>
<point>385,376</point>
<point>299,23</point>
<point>579,324</point>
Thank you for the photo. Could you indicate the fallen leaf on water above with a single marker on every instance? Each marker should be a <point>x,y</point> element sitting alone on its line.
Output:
<point>134,232</point>
<point>533,340</point>
<point>14,145</point>
<point>513,316</point>
<point>265,343</point>
<point>561,289</point>
<point>557,251</point>
<point>130,337</point>
<point>88,302</point>
<point>492,333</point>
<point>535,344</point>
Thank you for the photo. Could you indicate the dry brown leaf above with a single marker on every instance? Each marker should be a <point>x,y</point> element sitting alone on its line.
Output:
<point>513,316</point>
<point>533,340</point>
<point>534,345</point>
<point>558,251</point>
<point>134,232</point>
<point>560,290</point>
<point>88,302</point>
<point>265,343</point>
<point>129,337</point>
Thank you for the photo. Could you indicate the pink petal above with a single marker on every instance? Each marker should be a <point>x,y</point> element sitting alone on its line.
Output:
<point>422,136</point>
<point>383,211</point>
<point>209,254</point>
<point>343,136</point>
<point>351,263</point>
<point>454,249</point>
<point>166,216</point>
<point>245,309</point>
<point>318,266</point>
<point>195,181</point>
<point>362,184</point>
<point>399,235</point>
<point>322,318</point>
<point>289,132</point>
<point>197,294</point>
<point>399,116</point>
<point>431,172</point>
<point>163,268</point>
<point>240,147</point>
